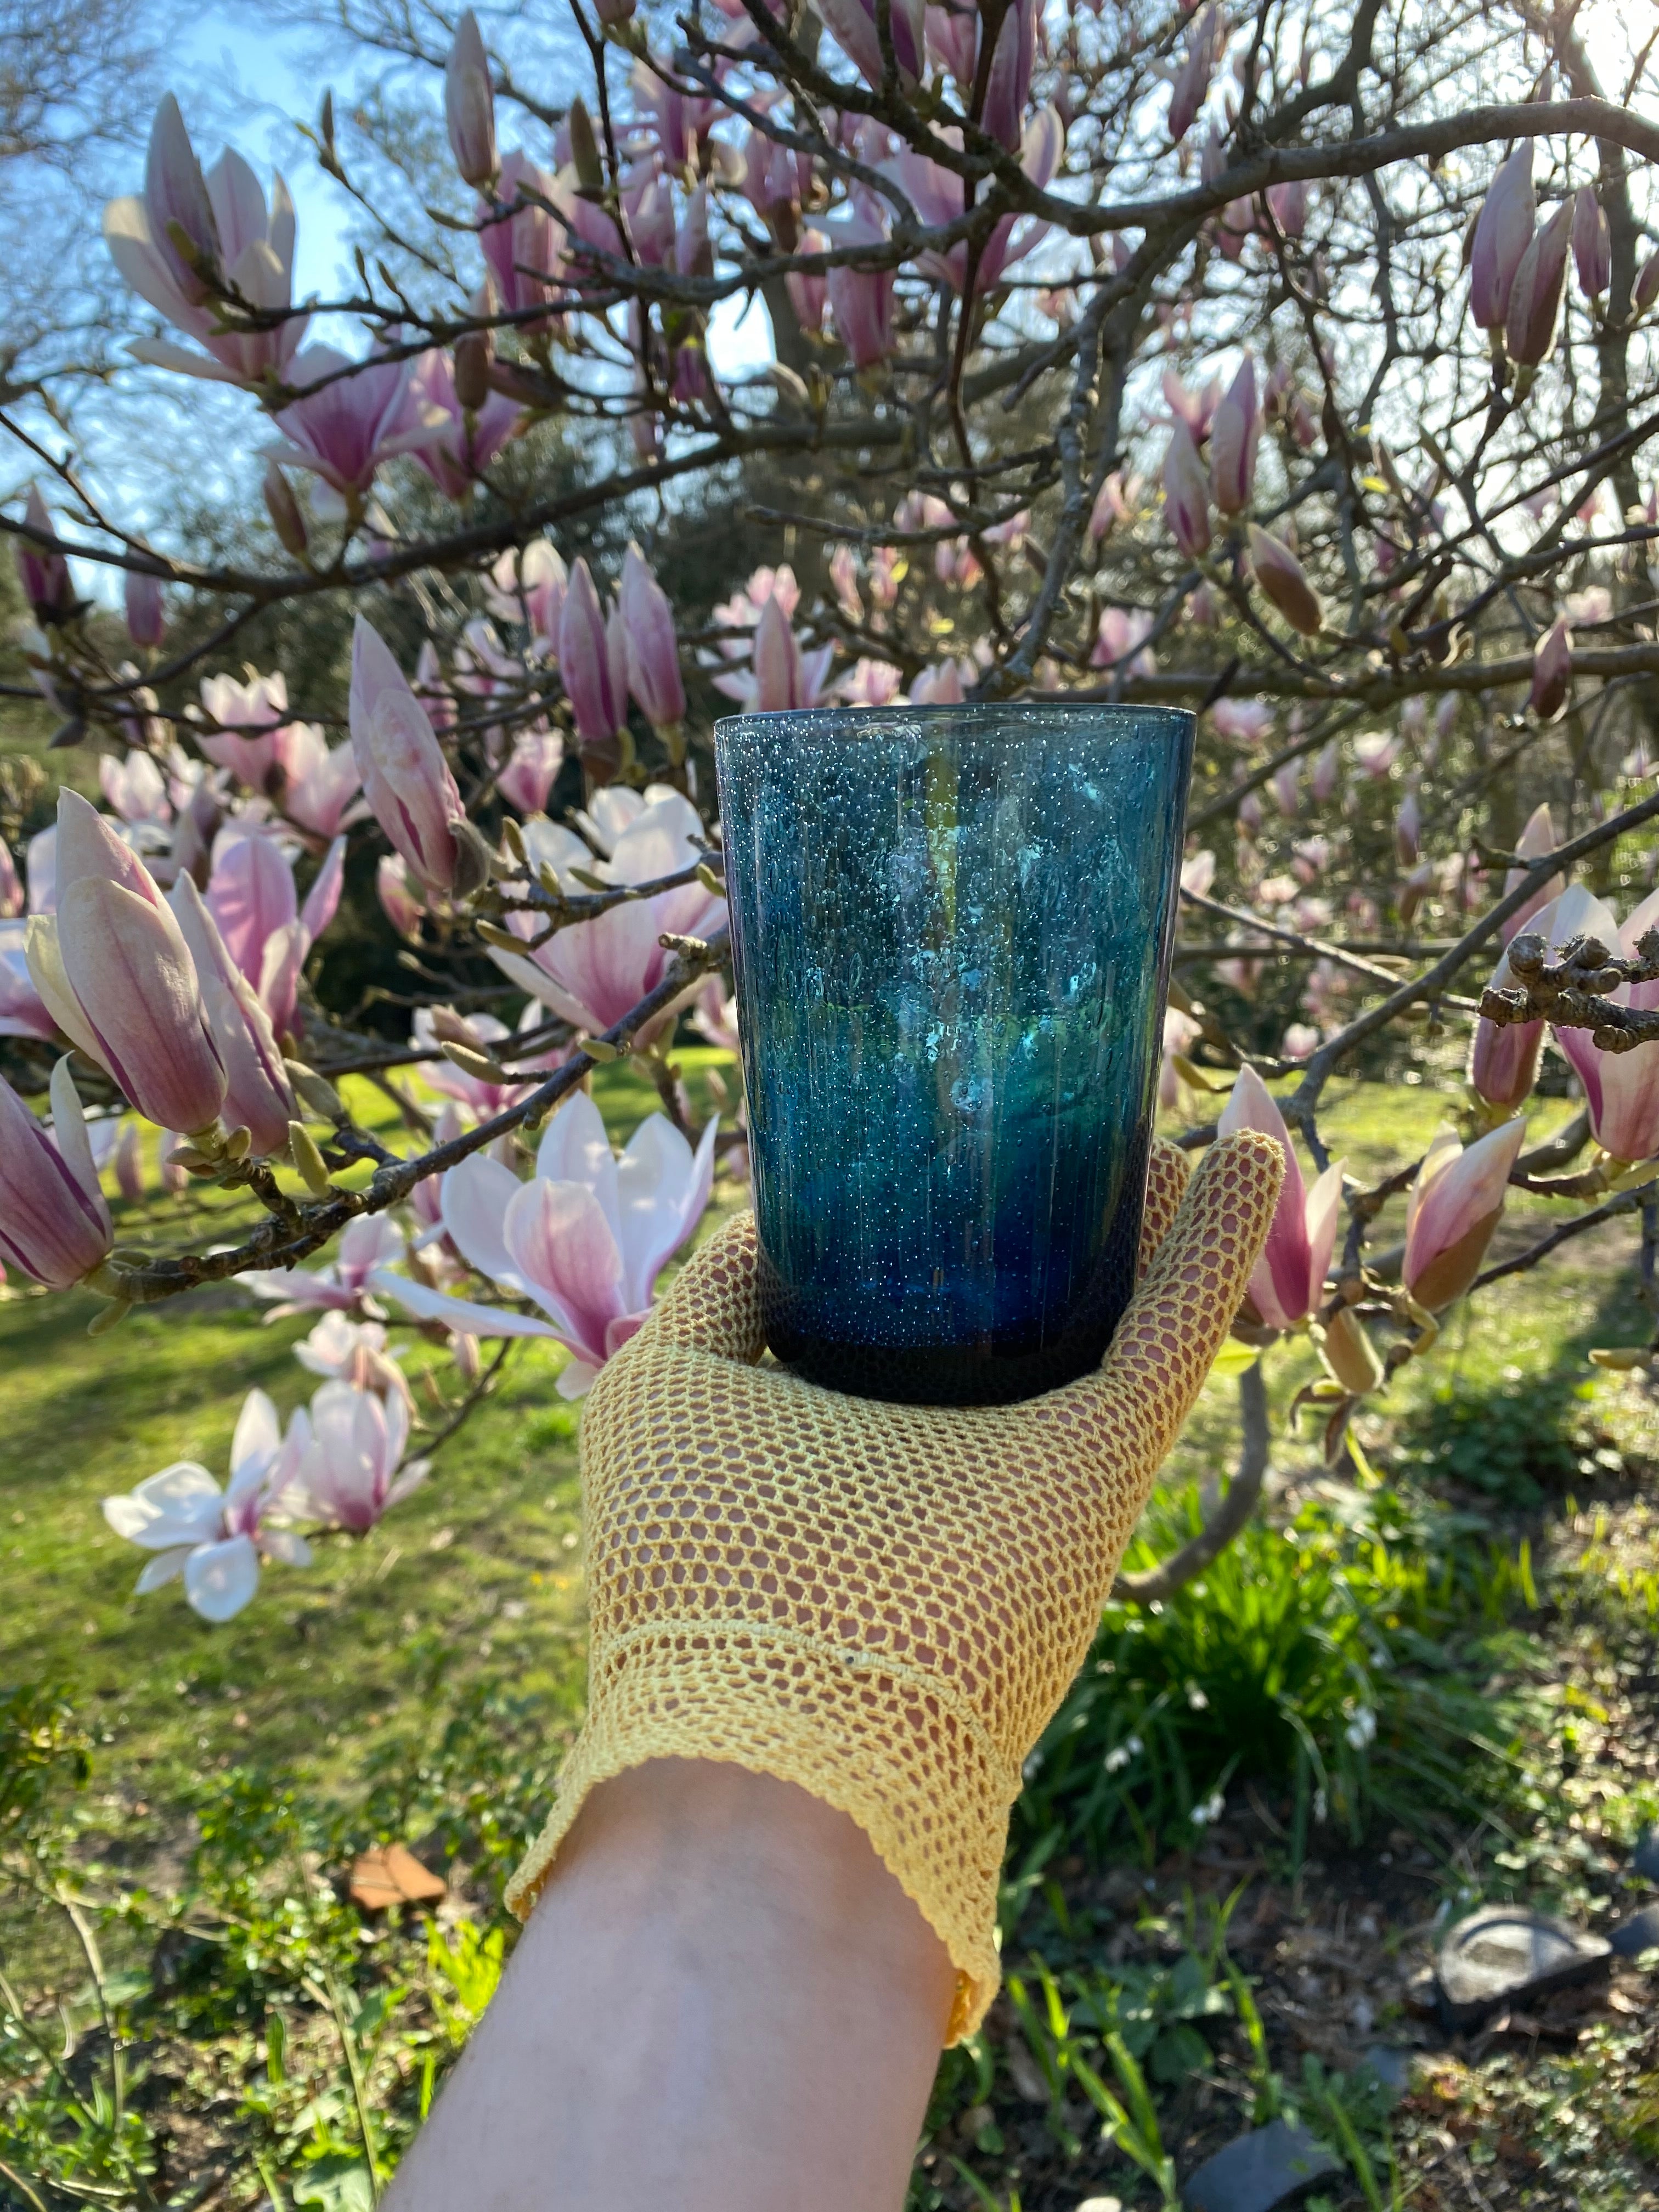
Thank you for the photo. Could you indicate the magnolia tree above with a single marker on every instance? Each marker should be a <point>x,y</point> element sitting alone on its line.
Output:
<point>1289,363</point>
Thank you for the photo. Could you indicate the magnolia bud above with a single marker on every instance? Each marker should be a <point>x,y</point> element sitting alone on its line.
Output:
<point>313,1169</point>
<point>473,356</point>
<point>1350,1354</point>
<point>473,859</point>
<point>283,509</point>
<point>585,149</point>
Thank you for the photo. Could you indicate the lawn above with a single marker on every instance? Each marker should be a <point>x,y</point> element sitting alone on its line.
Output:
<point>200,1793</point>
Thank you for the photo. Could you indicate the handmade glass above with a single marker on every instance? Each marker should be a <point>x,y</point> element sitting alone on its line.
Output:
<point>951,930</point>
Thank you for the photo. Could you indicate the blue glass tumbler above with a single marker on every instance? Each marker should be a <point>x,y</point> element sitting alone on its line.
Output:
<point>951,929</point>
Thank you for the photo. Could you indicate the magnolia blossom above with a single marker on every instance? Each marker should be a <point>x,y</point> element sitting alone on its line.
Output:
<point>54,1224</point>
<point>345,1351</point>
<point>532,768</point>
<point>1181,1032</point>
<point>399,901</point>
<point>1621,1089</point>
<point>236,242</point>
<point>592,661</point>
<point>257,1094</point>
<point>1289,1281</point>
<point>457,444</point>
<point>653,652</point>
<point>320,786</point>
<point>1503,233</point>
<point>518,239</point>
<point>1206,43</point>
<point>1246,721</point>
<point>860,300</point>
<point>136,789</point>
<point>1552,670</point>
<point>22,1010</point>
<point>1503,1061</point>
<point>1533,312</point>
<point>371,1241</point>
<point>252,898</point>
<point>350,1472</point>
<point>781,675</point>
<point>246,716</point>
<point>406,779</point>
<point>218,1539</point>
<point>1186,494</point>
<point>1454,1208</point>
<point>1233,438</point>
<point>470,103</point>
<point>1281,576</point>
<point>351,417</point>
<point>852,24</point>
<point>1592,242</point>
<point>116,978</point>
<point>41,568</point>
<point>937,195</point>
<point>584,1239</point>
<point>593,973</point>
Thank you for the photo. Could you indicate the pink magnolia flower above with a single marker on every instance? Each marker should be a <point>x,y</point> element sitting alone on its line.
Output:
<point>1181,1032</point>
<point>1246,721</point>
<point>22,1010</point>
<point>1286,785</point>
<point>371,1241</point>
<point>136,789</point>
<point>1289,1282</point>
<point>852,25</point>
<point>1186,494</point>
<point>398,901</point>
<point>340,1350</point>
<point>351,1470</point>
<point>54,1225</point>
<point>351,417</point>
<point>1198,873</point>
<point>116,977</point>
<point>1118,639</point>
<point>41,569</point>
<point>680,121</point>
<point>808,295</point>
<point>594,972</point>
<point>246,716</point>
<point>1502,232</point>
<point>1008,82</point>
<point>1592,243</point>
<point>258,1095</point>
<point>1552,670</point>
<point>532,768</point>
<point>592,661</point>
<point>652,647</point>
<point>252,898</point>
<point>861,299</point>
<point>521,247</point>
<point>470,103</point>
<point>219,1539</point>
<point>456,447</point>
<point>236,241</point>
<point>1206,43</point>
<point>1533,313</point>
<point>1282,578</point>
<point>1375,752</point>
<point>937,195</point>
<point>146,610</point>
<point>320,787</point>
<point>873,683</point>
<point>584,1239</point>
<point>1301,1041</point>
<point>1621,1089</point>
<point>953,40</point>
<point>1233,438</point>
<point>1408,829</point>
<point>406,780</point>
<point>1454,1208</point>
<point>1326,773</point>
<point>781,676</point>
<point>716,1015</point>
<point>945,684</point>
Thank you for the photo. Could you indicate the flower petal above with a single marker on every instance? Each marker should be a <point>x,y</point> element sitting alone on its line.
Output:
<point>220,1578</point>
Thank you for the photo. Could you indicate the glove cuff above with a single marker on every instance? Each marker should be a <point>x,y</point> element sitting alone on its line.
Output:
<point>781,1704</point>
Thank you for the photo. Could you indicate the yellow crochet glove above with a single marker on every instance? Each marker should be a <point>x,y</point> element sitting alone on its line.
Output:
<point>881,1603</point>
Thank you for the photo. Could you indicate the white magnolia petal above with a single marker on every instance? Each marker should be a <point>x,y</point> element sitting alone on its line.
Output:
<point>220,1578</point>
<point>162,1568</point>
<point>427,1304</point>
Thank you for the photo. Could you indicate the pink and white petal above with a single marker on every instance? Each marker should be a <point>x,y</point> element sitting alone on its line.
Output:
<point>255,1446</point>
<point>608,964</point>
<point>164,1568</point>
<point>394,1411</point>
<point>574,1148</point>
<point>408,1482</point>
<point>565,1249</point>
<point>519,968</point>
<point>459,1313</point>
<point>69,1134</point>
<point>663,837</point>
<point>474,1201</point>
<point>220,1578</point>
<point>1324,1212</point>
<point>576,1378</point>
<point>286,1545</point>
<point>323,899</point>
<point>182,1504</point>
<point>655,1178</point>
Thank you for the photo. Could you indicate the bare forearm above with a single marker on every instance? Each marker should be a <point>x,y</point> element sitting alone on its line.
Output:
<point>723,2002</point>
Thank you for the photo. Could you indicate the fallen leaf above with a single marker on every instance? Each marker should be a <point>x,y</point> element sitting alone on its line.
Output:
<point>390,1876</point>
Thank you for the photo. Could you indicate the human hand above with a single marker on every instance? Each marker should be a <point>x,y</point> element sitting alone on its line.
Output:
<point>881,1603</point>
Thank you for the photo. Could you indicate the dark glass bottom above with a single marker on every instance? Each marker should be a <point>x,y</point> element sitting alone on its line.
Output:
<point>936,1374</point>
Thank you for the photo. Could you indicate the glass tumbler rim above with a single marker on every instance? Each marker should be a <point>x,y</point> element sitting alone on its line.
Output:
<point>1020,717</point>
